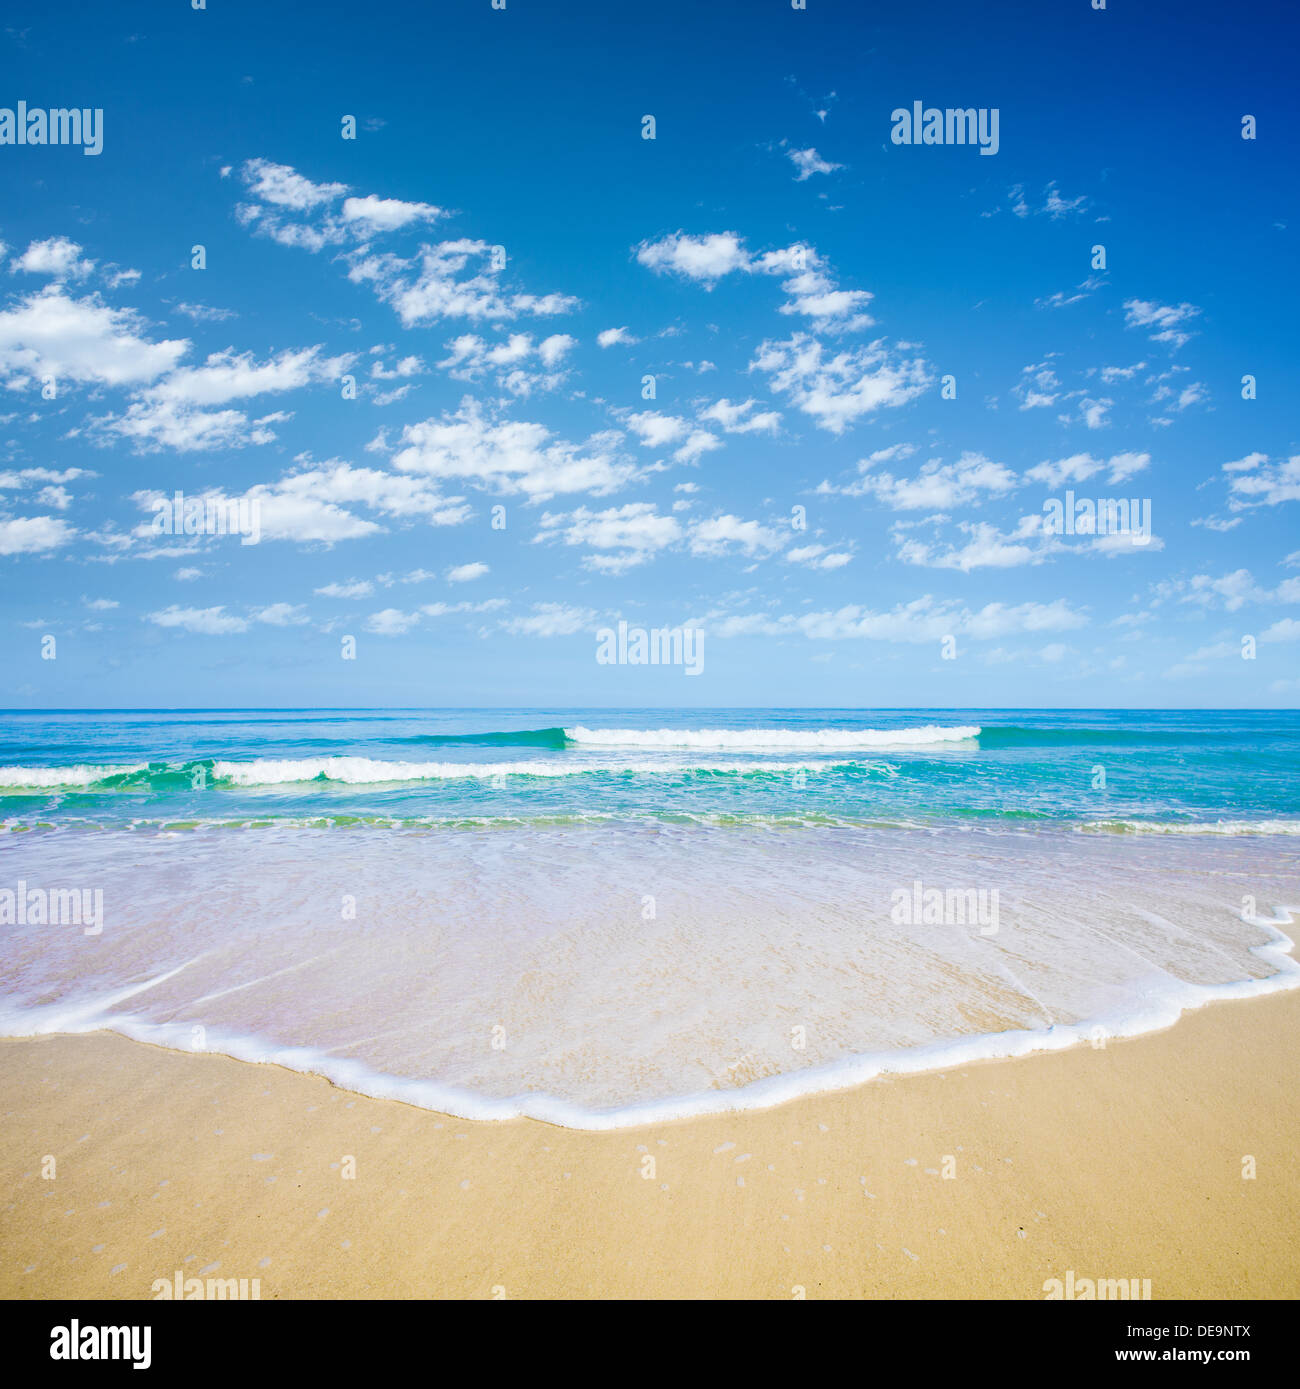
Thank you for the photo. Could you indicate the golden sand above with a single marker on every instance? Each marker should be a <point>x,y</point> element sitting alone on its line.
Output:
<point>1120,1162</point>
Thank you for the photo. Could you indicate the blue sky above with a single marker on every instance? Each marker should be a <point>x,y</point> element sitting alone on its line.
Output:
<point>797,285</point>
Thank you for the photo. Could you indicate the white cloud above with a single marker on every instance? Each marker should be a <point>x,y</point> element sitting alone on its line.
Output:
<point>407,366</point>
<point>654,430</point>
<point>987,548</point>
<point>1165,319</point>
<point>808,162</point>
<point>511,455</point>
<point>923,619</point>
<point>206,621</point>
<point>391,622</point>
<point>1231,591</point>
<point>435,285</point>
<point>1057,207</point>
<point>162,424</point>
<point>550,620</point>
<point>30,535</point>
<point>698,443</point>
<point>938,486</point>
<point>471,357</point>
<point>203,313</point>
<point>80,340</point>
<point>740,419</point>
<point>1080,467</point>
<point>313,505</point>
<point>838,390</point>
<point>1053,205</point>
<point>704,259</point>
<point>174,413</point>
<point>810,289</point>
<point>353,588</point>
<point>723,533</point>
<point>464,573</point>
<point>283,186</point>
<point>387,214</point>
<point>1253,481</point>
<point>229,375</point>
<point>281,615</point>
<point>56,256</point>
<point>623,536</point>
<point>612,337</point>
<point>818,557</point>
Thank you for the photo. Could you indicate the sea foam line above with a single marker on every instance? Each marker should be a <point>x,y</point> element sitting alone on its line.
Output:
<point>759,739</point>
<point>458,1102</point>
<point>364,770</point>
<point>360,771</point>
<point>82,774</point>
<point>1226,827</point>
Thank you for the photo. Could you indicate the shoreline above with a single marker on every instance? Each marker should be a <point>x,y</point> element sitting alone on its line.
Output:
<point>1123,1161</point>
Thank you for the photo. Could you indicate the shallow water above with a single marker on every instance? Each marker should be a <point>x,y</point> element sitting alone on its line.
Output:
<point>600,919</point>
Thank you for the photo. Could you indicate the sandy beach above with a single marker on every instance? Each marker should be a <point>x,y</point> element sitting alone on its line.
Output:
<point>1124,1161</point>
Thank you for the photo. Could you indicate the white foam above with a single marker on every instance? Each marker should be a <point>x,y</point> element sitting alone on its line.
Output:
<point>616,1018</point>
<point>1164,1001</point>
<point>82,774</point>
<point>761,739</point>
<point>361,771</point>
<point>1227,827</point>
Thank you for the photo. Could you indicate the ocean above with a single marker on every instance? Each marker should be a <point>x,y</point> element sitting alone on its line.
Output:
<point>605,918</point>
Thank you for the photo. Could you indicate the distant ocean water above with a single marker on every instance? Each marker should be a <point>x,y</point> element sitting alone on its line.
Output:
<point>601,918</point>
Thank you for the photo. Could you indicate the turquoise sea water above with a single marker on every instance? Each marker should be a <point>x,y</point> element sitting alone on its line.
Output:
<point>602,918</point>
<point>1154,769</point>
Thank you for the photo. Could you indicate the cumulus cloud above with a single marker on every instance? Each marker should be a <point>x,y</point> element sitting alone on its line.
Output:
<point>938,486</point>
<point>33,535</point>
<point>387,214</point>
<point>622,537</point>
<point>464,573</point>
<point>811,290</point>
<point>507,456</point>
<point>50,333</point>
<point>1079,467</point>
<point>56,256</point>
<point>1254,481</point>
<point>704,259</point>
<point>285,187</point>
<point>452,279</point>
<point>318,504</point>
<point>470,358</point>
<point>836,390</point>
<point>726,534</point>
